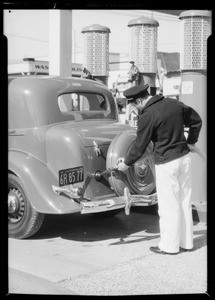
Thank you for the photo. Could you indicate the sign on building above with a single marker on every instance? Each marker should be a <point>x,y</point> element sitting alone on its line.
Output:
<point>132,116</point>
<point>30,66</point>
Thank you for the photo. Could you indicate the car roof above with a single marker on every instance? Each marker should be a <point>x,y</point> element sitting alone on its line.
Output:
<point>33,100</point>
<point>75,83</point>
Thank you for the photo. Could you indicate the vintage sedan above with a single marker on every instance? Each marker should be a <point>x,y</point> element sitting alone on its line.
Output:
<point>64,141</point>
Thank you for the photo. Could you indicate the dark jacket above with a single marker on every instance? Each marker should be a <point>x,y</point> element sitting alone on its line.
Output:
<point>162,121</point>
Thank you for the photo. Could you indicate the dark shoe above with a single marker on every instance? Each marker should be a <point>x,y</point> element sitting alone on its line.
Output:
<point>186,250</point>
<point>157,250</point>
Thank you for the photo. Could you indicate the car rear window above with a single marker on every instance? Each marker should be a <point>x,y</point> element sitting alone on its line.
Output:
<point>82,102</point>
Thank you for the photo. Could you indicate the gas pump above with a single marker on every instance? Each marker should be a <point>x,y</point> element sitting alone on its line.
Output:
<point>195,29</point>
<point>143,49</point>
<point>96,51</point>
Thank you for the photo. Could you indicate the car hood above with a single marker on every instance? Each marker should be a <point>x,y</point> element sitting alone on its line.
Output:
<point>99,132</point>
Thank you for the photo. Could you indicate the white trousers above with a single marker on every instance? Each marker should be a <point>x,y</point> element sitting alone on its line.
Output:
<point>173,183</point>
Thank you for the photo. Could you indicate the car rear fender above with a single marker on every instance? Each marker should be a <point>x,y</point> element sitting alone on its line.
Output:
<point>37,181</point>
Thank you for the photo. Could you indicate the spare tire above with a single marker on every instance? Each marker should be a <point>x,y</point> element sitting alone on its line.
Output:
<point>139,178</point>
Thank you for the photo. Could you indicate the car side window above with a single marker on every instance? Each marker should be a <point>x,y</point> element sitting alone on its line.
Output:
<point>82,102</point>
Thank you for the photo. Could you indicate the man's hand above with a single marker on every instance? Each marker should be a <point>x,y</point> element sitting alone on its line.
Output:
<point>192,147</point>
<point>121,165</point>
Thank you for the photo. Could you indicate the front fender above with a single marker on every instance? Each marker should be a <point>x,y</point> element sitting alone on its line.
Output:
<point>37,181</point>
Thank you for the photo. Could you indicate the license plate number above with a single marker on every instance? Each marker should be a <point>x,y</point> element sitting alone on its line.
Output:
<point>71,176</point>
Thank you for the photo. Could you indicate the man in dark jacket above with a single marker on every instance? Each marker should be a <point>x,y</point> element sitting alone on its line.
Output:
<point>162,121</point>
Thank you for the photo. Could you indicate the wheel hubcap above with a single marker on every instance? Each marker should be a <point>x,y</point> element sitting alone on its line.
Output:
<point>16,205</point>
<point>140,177</point>
<point>12,204</point>
<point>141,169</point>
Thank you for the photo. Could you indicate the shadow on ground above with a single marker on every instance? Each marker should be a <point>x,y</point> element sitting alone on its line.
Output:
<point>201,240</point>
<point>95,227</point>
<point>142,224</point>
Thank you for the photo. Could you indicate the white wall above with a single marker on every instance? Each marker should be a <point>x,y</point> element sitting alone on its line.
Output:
<point>171,85</point>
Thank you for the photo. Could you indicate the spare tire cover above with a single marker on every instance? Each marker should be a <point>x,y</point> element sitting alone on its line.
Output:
<point>139,178</point>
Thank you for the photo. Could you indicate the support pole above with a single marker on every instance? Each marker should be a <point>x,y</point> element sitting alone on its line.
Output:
<point>60,42</point>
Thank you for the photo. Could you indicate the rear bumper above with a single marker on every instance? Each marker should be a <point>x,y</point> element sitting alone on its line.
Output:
<point>106,204</point>
<point>125,201</point>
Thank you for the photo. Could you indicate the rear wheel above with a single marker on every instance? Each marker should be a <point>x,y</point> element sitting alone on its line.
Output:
<point>140,177</point>
<point>23,220</point>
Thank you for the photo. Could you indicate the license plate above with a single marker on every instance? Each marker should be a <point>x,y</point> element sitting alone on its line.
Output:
<point>71,176</point>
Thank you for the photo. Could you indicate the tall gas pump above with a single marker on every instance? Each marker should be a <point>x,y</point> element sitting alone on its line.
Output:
<point>143,49</point>
<point>195,30</point>
<point>96,51</point>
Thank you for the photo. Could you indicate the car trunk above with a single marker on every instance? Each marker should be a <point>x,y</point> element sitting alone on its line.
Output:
<point>83,144</point>
<point>101,133</point>
<point>96,137</point>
